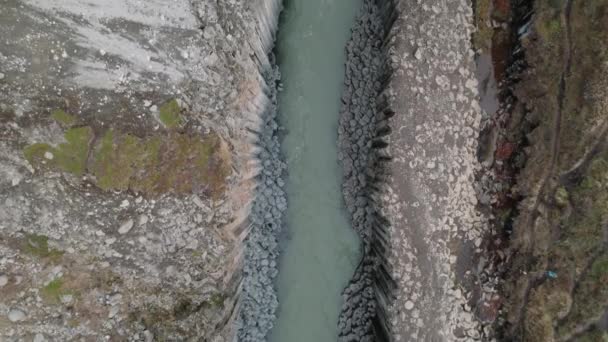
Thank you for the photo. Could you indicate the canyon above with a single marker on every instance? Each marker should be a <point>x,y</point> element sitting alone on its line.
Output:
<point>374,170</point>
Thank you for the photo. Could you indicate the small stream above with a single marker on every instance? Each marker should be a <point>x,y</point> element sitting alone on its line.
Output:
<point>320,249</point>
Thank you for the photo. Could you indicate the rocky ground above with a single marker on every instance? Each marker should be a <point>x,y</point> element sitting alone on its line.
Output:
<point>409,137</point>
<point>549,140</point>
<point>126,165</point>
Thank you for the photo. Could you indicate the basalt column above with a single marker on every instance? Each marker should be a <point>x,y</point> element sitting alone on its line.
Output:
<point>363,156</point>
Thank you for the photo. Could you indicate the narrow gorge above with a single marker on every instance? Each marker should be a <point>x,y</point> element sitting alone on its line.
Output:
<point>303,170</point>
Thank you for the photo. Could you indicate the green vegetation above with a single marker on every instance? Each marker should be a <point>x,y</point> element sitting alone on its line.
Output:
<point>63,118</point>
<point>178,163</point>
<point>172,163</point>
<point>35,155</point>
<point>569,238</point>
<point>71,156</point>
<point>579,295</point>
<point>37,245</point>
<point>561,196</point>
<point>590,298</point>
<point>53,291</point>
<point>482,37</point>
<point>218,300</point>
<point>170,114</point>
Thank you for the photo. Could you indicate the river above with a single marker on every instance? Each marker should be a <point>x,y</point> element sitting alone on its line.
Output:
<point>320,251</point>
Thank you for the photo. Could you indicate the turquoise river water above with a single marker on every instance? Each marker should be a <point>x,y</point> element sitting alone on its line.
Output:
<point>321,249</point>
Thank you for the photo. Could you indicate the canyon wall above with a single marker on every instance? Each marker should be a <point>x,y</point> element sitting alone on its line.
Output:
<point>132,138</point>
<point>408,134</point>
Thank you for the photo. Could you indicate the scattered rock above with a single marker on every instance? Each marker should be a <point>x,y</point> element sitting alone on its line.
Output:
<point>409,305</point>
<point>3,280</point>
<point>16,315</point>
<point>126,227</point>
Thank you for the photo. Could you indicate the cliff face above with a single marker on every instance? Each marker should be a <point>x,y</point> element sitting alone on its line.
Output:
<point>128,155</point>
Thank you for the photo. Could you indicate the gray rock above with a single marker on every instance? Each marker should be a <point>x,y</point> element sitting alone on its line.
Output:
<point>16,315</point>
<point>3,280</point>
<point>126,227</point>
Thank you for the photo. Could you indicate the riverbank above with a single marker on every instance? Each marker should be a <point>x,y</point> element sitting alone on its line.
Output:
<point>410,172</point>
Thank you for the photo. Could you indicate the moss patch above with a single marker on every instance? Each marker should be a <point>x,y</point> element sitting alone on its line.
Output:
<point>218,300</point>
<point>168,163</point>
<point>35,154</point>
<point>170,114</point>
<point>63,118</point>
<point>482,37</point>
<point>53,291</point>
<point>37,245</point>
<point>177,163</point>
<point>71,156</point>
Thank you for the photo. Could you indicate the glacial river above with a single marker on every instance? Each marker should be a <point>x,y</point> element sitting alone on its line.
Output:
<point>320,251</point>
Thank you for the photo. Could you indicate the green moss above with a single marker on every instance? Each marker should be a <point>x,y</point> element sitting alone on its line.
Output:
<point>35,154</point>
<point>590,297</point>
<point>115,161</point>
<point>173,163</point>
<point>218,299</point>
<point>550,30</point>
<point>71,156</point>
<point>63,118</point>
<point>53,290</point>
<point>482,38</point>
<point>561,196</point>
<point>593,335</point>
<point>169,114</point>
<point>37,245</point>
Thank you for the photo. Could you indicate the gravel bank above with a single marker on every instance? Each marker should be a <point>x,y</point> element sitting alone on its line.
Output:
<point>257,297</point>
<point>360,141</point>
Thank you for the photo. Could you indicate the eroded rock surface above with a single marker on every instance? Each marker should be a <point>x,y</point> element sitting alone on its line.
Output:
<point>409,135</point>
<point>127,164</point>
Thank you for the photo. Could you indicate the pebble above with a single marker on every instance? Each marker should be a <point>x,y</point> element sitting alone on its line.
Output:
<point>409,305</point>
<point>143,219</point>
<point>16,315</point>
<point>67,299</point>
<point>3,280</point>
<point>1,76</point>
<point>113,311</point>
<point>48,155</point>
<point>39,338</point>
<point>126,227</point>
